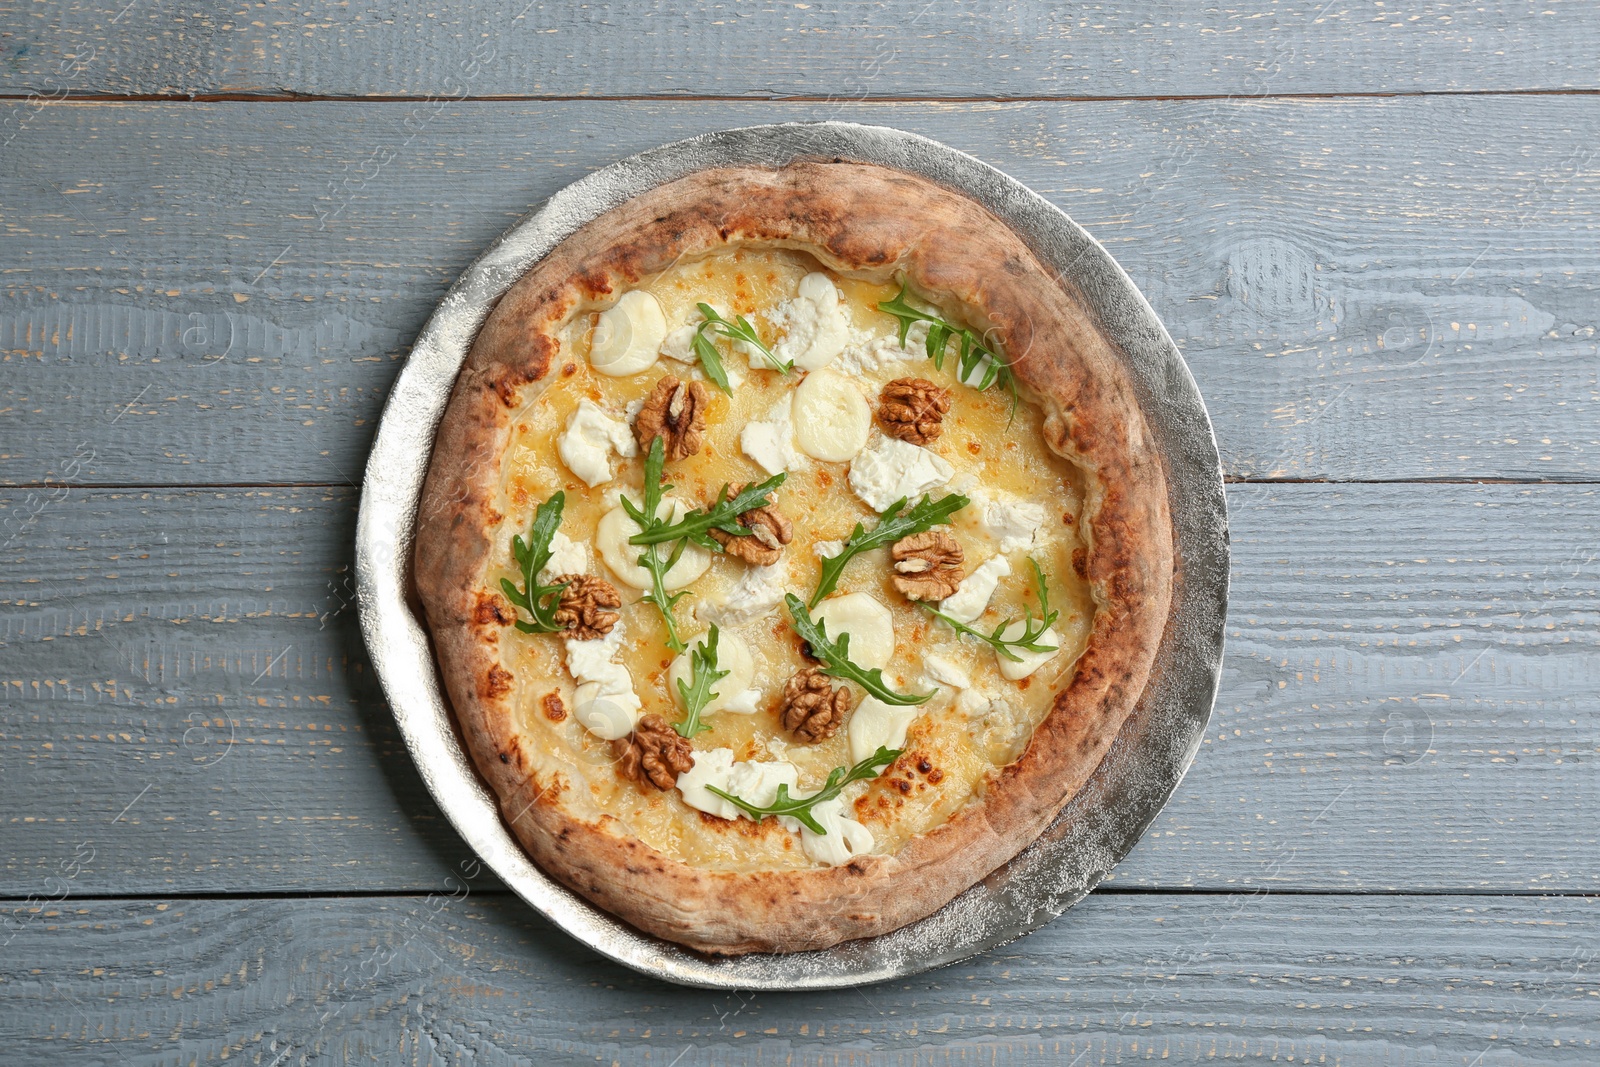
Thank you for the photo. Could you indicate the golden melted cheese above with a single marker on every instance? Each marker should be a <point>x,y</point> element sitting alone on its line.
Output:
<point>949,747</point>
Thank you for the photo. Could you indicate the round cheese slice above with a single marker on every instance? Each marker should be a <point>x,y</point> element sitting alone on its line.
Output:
<point>627,338</point>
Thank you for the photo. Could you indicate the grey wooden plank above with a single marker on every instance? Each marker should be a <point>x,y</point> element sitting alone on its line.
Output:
<point>895,48</point>
<point>1408,701</point>
<point>481,979</point>
<point>217,725</point>
<point>1375,289</point>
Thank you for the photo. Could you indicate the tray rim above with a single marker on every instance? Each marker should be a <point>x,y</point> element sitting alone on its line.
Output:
<point>1019,897</point>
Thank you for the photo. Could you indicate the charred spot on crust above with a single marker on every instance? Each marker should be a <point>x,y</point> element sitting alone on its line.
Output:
<point>594,283</point>
<point>1080,562</point>
<point>507,387</point>
<point>505,757</point>
<point>492,608</point>
<point>554,710</point>
<point>496,683</point>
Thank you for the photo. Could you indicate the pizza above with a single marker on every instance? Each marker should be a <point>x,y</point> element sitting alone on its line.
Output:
<point>793,549</point>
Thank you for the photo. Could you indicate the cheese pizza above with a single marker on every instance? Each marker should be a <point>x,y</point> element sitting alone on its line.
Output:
<point>793,550</point>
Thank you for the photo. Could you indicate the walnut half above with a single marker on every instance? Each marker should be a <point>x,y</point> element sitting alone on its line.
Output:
<point>653,753</point>
<point>913,409</point>
<point>812,709</point>
<point>675,411</point>
<point>928,565</point>
<point>769,532</point>
<point>588,606</point>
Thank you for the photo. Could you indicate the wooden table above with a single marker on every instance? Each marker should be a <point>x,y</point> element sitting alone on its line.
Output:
<point>1370,229</point>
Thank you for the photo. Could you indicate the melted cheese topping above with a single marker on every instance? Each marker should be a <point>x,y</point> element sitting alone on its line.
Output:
<point>955,738</point>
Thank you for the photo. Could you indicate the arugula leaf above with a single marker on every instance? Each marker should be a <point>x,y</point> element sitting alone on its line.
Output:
<point>738,330</point>
<point>973,350</point>
<point>835,657</point>
<point>723,515</point>
<point>800,807</point>
<point>1032,630</point>
<point>696,693</point>
<point>647,520</point>
<point>711,359</point>
<point>892,526</point>
<point>533,555</point>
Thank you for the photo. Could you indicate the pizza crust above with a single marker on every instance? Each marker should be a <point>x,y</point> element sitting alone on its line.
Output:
<point>863,221</point>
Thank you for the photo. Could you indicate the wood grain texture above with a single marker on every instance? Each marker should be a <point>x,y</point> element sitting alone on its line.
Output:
<point>481,979</point>
<point>1408,702</point>
<point>894,48</point>
<point>1380,289</point>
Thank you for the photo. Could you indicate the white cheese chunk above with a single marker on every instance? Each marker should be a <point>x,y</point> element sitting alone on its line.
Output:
<point>891,469</point>
<point>945,671</point>
<point>757,592</point>
<point>868,622</point>
<point>827,549</point>
<point>845,837</point>
<point>679,344</point>
<point>605,702</point>
<point>1013,524</point>
<point>971,598</point>
<point>566,557</point>
<point>755,783</point>
<point>770,442</point>
<point>627,338</point>
<point>733,692</point>
<point>875,725</point>
<point>1030,661</point>
<point>611,541</point>
<point>816,329</point>
<point>591,436</point>
<point>744,702</point>
<point>832,420</point>
<point>973,703</point>
<point>866,354</point>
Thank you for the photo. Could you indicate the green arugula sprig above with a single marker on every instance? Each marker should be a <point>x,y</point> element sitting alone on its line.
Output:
<point>973,350</point>
<point>800,807</point>
<point>835,657</point>
<point>1032,630</point>
<point>651,559</point>
<point>696,692</point>
<point>533,555</point>
<point>723,515</point>
<point>892,526</point>
<point>738,330</point>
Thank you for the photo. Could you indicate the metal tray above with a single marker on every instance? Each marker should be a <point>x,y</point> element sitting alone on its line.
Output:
<point>1105,819</point>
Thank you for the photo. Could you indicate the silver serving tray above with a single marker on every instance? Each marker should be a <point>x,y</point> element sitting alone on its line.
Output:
<point>1100,825</point>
